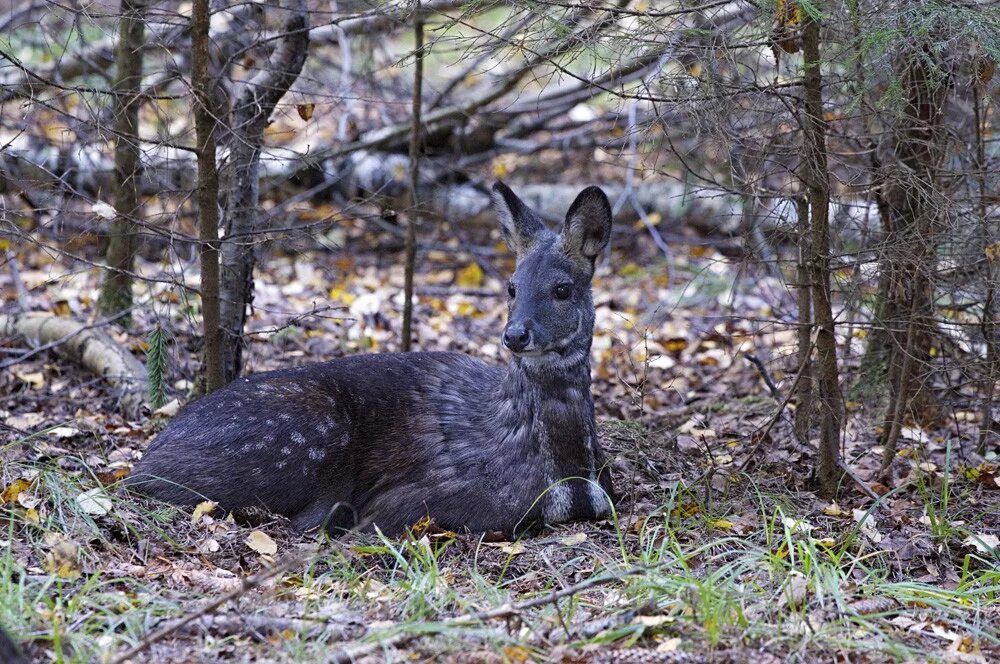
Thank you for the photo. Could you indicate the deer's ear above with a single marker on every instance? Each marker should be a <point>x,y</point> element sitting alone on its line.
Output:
<point>588,224</point>
<point>520,226</point>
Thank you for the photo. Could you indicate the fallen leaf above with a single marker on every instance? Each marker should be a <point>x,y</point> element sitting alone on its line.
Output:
<point>36,379</point>
<point>61,558</point>
<point>64,432</point>
<point>13,490</point>
<point>200,510</point>
<point>470,276</point>
<point>574,539</point>
<point>833,509</point>
<point>796,525</point>
<point>868,525</point>
<point>168,409</point>
<point>983,543</point>
<point>510,548</point>
<point>94,502</point>
<point>306,111</point>
<point>261,543</point>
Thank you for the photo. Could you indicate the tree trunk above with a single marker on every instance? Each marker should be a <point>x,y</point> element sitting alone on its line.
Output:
<point>913,203</point>
<point>205,114</point>
<point>251,111</point>
<point>116,291</point>
<point>817,180</point>
<point>414,216</point>
<point>804,391</point>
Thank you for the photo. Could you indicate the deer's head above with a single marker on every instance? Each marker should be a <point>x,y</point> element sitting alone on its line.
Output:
<point>551,311</point>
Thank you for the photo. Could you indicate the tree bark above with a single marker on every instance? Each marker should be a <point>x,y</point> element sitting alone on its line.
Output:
<point>414,215</point>
<point>914,205</point>
<point>804,391</point>
<point>817,180</point>
<point>116,290</point>
<point>205,117</point>
<point>251,111</point>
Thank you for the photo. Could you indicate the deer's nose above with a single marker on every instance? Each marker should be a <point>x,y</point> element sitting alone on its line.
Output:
<point>516,338</point>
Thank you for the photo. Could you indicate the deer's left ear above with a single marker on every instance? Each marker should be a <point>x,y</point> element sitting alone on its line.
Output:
<point>587,229</point>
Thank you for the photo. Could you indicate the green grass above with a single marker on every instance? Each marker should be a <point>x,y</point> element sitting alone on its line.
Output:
<point>683,572</point>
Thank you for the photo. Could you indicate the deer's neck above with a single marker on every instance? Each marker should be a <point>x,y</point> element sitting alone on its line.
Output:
<point>545,411</point>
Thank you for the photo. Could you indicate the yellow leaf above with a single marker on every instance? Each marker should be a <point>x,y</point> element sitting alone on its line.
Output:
<point>34,378</point>
<point>14,490</point>
<point>203,508</point>
<point>510,548</point>
<point>993,251</point>
<point>61,559</point>
<point>517,654</point>
<point>723,524</point>
<point>261,543</point>
<point>833,509</point>
<point>676,344</point>
<point>470,276</point>
<point>340,295</point>
<point>31,514</point>
<point>574,539</point>
<point>4,244</point>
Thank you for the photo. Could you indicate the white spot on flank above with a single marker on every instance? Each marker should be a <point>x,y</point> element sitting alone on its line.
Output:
<point>286,450</point>
<point>285,416</point>
<point>298,438</point>
<point>317,454</point>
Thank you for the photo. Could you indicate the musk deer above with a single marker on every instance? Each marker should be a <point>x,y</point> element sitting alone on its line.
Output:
<point>387,439</point>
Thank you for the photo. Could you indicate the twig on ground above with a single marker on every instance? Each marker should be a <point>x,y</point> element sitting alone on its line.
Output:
<point>506,611</point>
<point>248,584</point>
<point>776,393</point>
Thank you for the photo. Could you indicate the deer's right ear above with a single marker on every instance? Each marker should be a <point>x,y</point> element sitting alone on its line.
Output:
<point>520,226</point>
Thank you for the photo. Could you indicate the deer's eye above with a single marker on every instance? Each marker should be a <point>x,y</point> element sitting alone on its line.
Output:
<point>510,289</point>
<point>562,291</point>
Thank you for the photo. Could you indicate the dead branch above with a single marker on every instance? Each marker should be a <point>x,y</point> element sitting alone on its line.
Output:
<point>85,344</point>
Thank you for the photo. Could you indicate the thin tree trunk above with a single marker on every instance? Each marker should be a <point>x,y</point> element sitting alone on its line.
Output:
<point>205,116</point>
<point>804,390</point>
<point>116,291</point>
<point>817,180</point>
<point>251,112</point>
<point>989,301</point>
<point>414,216</point>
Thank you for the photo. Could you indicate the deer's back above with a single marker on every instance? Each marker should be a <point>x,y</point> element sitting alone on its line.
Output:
<point>374,433</point>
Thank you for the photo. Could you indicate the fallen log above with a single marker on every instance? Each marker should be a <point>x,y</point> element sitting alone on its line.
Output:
<point>87,345</point>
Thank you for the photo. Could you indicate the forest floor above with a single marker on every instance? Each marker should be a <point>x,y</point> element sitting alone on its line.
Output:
<point>718,552</point>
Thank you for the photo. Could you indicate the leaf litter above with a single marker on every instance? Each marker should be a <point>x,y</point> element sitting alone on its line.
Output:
<point>734,546</point>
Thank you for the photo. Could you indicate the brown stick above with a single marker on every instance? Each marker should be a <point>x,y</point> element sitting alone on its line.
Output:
<point>248,584</point>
